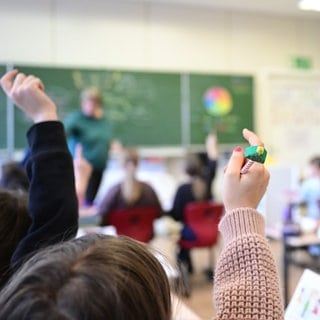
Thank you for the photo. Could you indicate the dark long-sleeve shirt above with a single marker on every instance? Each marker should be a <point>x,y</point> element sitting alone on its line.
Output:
<point>53,205</point>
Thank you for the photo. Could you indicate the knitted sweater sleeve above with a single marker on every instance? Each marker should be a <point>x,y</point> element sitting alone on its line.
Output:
<point>247,284</point>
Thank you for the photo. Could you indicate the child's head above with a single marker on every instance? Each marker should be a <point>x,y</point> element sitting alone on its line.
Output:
<point>93,277</point>
<point>199,187</point>
<point>130,160</point>
<point>130,155</point>
<point>91,99</point>
<point>13,177</point>
<point>14,223</point>
<point>193,166</point>
<point>314,165</point>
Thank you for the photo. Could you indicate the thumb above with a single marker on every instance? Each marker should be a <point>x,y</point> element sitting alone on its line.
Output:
<point>236,161</point>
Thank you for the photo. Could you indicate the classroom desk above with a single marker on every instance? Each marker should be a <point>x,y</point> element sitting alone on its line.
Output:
<point>291,245</point>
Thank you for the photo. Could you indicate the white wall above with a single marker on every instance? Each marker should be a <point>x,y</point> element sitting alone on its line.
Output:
<point>134,35</point>
<point>149,36</point>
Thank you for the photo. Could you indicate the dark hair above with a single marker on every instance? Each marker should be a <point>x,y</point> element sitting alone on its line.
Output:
<point>193,166</point>
<point>130,154</point>
<point>14,223</point>
<point>315,161</point>
<point>92,277</point>
<point>14,177</point>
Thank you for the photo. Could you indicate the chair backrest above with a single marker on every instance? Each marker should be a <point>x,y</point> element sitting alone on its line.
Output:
<point>136,223</point>
<point>203,219</point>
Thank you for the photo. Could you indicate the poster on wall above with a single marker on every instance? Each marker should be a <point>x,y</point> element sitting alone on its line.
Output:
<point>222,104</point>
<point>294,117</point>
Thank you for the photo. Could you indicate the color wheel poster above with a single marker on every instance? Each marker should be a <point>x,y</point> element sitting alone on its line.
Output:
<point>222,104</point>
<point>305,303</point>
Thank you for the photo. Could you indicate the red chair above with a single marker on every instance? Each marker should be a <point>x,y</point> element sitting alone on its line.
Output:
<point>136,223</point>
<point>203,219</point>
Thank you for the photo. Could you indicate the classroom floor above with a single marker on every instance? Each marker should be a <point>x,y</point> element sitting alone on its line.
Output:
<point>200,300</point>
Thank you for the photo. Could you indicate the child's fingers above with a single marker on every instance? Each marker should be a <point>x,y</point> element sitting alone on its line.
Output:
<point>19,79</point>
<point>7,79</point>
<point>236,161</point>
<point>32,80</point>
<point>252,138</point>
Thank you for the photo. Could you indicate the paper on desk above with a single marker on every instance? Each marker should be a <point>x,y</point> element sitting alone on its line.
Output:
<point>305,303</point>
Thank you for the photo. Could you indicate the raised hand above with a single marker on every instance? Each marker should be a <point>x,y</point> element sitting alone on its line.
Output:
<point>248,189</point>
<point>27,92</point>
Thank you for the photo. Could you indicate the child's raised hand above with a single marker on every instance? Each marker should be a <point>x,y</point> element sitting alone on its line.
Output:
<point>27,92</point>
<point>244,190</point>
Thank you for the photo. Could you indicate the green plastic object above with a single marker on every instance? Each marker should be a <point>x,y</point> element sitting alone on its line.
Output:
<point>256,153</point>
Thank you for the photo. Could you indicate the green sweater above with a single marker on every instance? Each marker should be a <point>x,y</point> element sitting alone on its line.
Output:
<point>93,134</point>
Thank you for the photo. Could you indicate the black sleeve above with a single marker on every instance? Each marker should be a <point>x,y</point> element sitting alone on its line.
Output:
<point>182,197</point>
<point>210,174</point>
<point>53,205</point>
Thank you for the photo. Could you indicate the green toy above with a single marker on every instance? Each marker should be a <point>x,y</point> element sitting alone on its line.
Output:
<point>256,153</point>
<point>253,154</point>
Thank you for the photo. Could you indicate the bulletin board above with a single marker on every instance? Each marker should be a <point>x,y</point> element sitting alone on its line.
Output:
<point>294,116</point>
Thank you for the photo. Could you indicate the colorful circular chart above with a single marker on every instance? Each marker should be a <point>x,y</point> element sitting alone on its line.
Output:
<point>217,101</point>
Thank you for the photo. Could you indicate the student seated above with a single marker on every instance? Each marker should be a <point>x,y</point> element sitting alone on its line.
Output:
<point>14,225</point>
<point>50,214</point>
<point>309,193</point>
<point>130,192</point>
<point>193,190</point>
<point>309,199</point>
<point>14,217</point>
<point>100,277</point>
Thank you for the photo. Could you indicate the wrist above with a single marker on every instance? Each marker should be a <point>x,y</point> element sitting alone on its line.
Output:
<point>239,204</point>
<point>47,116</point>
<point>241,222</point>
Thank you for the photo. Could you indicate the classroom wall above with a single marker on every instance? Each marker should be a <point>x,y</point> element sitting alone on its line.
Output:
<point>147,36</point>
<point>135,35</point>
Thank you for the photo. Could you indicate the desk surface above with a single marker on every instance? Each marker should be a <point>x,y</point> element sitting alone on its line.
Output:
<point>303,240</point>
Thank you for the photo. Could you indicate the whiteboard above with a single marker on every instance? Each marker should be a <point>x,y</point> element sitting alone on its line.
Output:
<point>292,116</point>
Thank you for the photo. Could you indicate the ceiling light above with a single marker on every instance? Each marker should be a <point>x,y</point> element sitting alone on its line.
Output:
<point>309,5</point>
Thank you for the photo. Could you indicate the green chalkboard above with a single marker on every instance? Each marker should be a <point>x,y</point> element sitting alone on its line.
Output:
<point>3,114</point>
<point>220,103</point>
<point>143,107</point>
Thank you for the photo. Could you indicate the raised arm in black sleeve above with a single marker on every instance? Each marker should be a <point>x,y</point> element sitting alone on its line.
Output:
<point>53,205</point>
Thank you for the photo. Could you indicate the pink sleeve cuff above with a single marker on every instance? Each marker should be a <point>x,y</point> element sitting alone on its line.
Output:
<point>241,221</point>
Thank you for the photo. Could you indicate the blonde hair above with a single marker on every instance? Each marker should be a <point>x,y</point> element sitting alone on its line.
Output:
<point>92,94</point>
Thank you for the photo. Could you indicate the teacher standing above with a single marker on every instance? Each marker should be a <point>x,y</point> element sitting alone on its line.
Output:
<point>90,127</point>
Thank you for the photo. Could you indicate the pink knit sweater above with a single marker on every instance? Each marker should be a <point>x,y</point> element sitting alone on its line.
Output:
<point>246,284</point>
